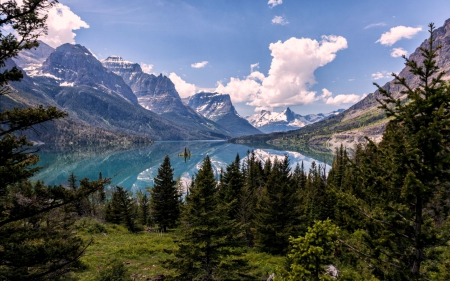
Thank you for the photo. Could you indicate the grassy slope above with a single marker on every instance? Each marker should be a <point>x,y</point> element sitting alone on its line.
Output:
<point>143,252</point>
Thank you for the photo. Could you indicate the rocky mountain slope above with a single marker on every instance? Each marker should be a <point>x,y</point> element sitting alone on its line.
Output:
<point>364,118</point>
<point>287,120</point>
<point>72,79</point>
<point>158,94</point>
<point>218,108</point>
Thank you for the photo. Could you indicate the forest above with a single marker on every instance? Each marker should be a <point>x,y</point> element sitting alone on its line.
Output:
<point>381,212</point>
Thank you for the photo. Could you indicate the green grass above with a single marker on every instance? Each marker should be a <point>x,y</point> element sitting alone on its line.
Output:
<point>143,252</point>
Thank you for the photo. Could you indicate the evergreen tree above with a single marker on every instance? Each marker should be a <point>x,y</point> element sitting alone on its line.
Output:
<point>38,241</point>
<point>401,201</point>
<point>206,246</point>
<point>144,207</point>
<point>311,254</point>
<point>277,214</point>
<point>230,187</point>
<point>122,209</point>
<point>165,201</point>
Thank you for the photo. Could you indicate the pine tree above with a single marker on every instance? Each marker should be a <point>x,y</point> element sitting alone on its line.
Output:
<point>277,214</point>
<point>122,209</point>
<point>165,197</point>
<point>206,246</point>
<point>38,241</point>
<point>144,207</point>
<point>230,187</point>
<point>312,253</point>
<point>401,201</point>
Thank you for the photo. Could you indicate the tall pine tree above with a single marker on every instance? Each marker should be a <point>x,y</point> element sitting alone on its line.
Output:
<point>401,200</point>
<point>207,246</point>
<point>165,196</point>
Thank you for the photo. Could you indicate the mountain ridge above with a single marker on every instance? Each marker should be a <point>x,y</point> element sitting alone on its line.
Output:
<point>363,119</point>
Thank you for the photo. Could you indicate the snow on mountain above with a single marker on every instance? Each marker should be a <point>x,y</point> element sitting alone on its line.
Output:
<point>218,108</point>
<point>268,121</point>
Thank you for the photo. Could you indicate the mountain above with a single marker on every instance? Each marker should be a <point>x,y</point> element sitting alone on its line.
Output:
<point>218,108</point>
<point>364,118</point>
<point>158,94</point>
<point>31,60</point>
<point>287,120</point>
<point>97,100</point>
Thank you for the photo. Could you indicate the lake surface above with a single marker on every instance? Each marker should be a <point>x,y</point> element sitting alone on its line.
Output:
<point>134,167</point>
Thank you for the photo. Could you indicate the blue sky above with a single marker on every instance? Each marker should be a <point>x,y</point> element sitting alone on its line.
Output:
<point>313,56</point>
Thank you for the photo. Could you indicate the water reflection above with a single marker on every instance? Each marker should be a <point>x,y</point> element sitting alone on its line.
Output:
<point>134,167</point>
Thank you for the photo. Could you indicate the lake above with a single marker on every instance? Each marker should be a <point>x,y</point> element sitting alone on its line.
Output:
<point>134,167</point>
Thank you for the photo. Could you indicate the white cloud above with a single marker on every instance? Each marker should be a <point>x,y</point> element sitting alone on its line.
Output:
<point>328,98</point>
<point>380,75</point>
<point>147,68</point>
<point>279,20</point>
<point>61,22</point>
<point>325,94</point>
<point>351,79</point>
<point>253,66</point>
<point>397,33</point>
<point>398,52</point>
<point>340,99</point>
<point>183,88</point>
<point>273,3</point>
<point>239,90</point>
<point>375,25</point>
<point>199,64</point>
<point>290,76</point>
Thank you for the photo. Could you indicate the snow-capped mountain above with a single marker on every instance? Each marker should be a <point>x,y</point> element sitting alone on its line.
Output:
<point>158,94</point>
<point>31,60</point>
<point>268,121</point>
<point>218,108</point>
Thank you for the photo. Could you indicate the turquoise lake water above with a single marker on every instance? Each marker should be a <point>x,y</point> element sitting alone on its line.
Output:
<point>134,167</point>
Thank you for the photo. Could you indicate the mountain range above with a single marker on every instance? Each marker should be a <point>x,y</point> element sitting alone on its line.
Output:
<point>108,101</point>
<point>268,121</point>
<point>363,118</point>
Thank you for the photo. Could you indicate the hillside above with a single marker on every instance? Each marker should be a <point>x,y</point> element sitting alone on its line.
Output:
<point>362,119</point>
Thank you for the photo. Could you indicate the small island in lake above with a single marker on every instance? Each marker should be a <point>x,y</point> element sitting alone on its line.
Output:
<point>186,153</point>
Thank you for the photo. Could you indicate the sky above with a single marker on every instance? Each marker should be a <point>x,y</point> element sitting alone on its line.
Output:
<point>311,56</point>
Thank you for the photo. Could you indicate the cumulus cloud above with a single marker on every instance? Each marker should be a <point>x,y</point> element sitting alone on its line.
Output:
<point>61,22</point>
<point>341,99</point>
<point>291,73</point>
<point>279,20</point>
<point>273,3</point>
<point>239,90</point>
<point>199,64</point>
<point>253,66</point>
<point>380,75</point>
<point>398,52</point>
<point>147,68</point>
<point>375,25</point>
<point>183,88</point>
<point>328,98</point>
<point>397,33</point>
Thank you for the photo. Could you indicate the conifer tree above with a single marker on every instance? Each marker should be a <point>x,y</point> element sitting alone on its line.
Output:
<point>208,236</point>
<point>230,187</point>
<point>401,201</point>
<point>312,253</point>
<point>38,241</point>
<point>122,209</point>
<point>165,201</point>
<point>277,214</point>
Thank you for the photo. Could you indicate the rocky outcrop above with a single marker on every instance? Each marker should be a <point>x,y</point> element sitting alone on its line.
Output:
<point>218,108</point>
<point>158,94</point>
<point>74,65</point>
